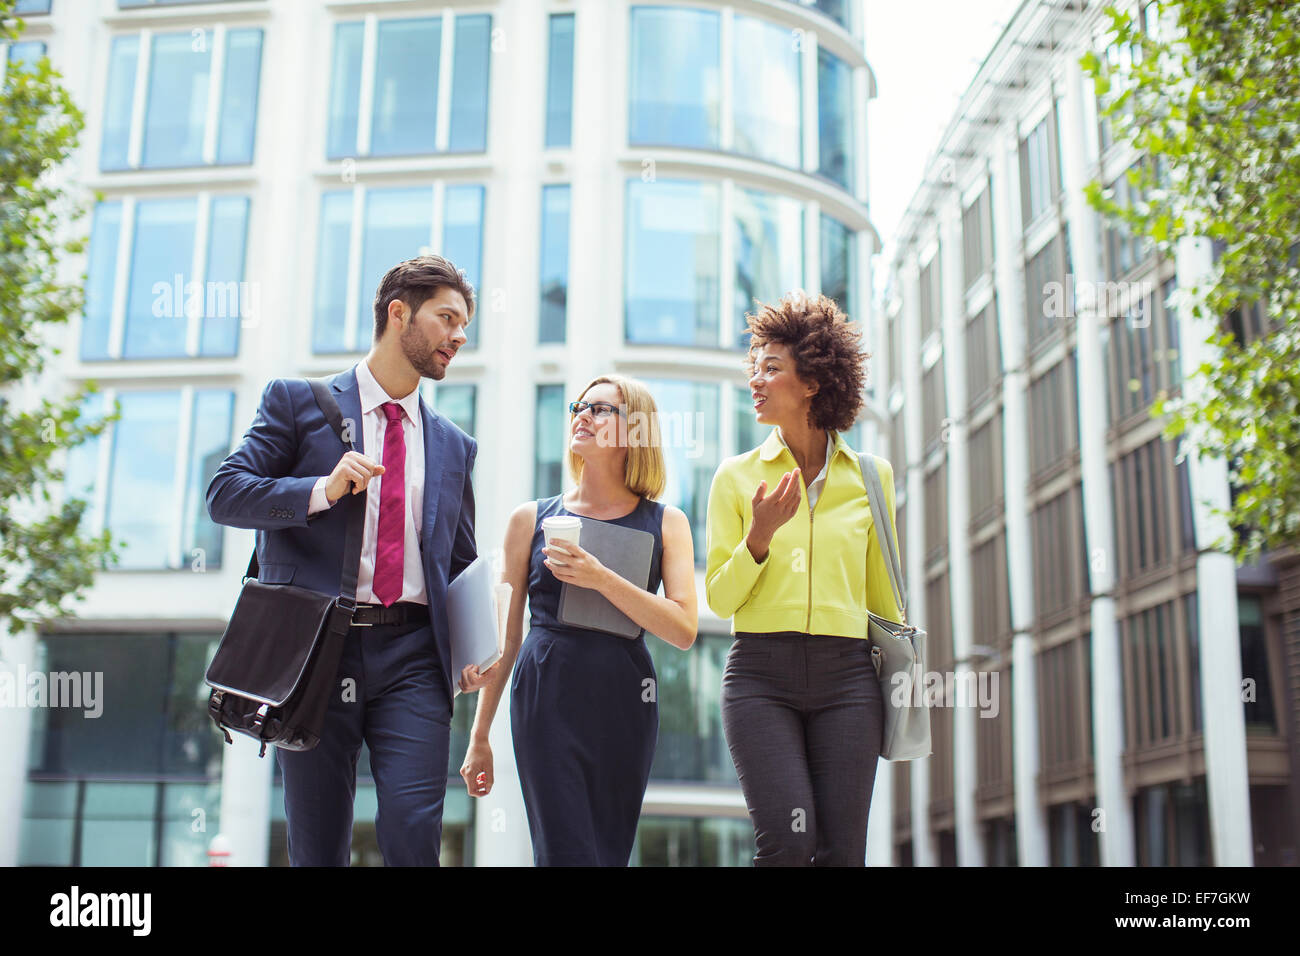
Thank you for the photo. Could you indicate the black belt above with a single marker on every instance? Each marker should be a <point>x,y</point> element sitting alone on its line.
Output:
<point>403,612</point>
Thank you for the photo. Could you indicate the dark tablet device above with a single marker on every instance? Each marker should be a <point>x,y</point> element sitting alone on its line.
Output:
<point>625,551</point>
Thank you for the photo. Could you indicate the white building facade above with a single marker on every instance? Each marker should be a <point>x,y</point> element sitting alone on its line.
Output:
<point>619,180</point>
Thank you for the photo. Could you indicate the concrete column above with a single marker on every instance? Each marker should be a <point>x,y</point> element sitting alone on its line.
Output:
<point>1032,847</point>
<point>965,774</point>
<point>17,658</point>
<point>923,848</point>
<point>1227,777</point>
<point>1078,157</point>
<point>245,818</point>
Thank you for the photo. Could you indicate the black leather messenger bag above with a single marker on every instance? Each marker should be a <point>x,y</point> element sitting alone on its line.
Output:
<point>275,668</point>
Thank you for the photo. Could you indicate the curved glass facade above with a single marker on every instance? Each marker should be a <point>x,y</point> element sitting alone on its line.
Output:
<point>676,97</point>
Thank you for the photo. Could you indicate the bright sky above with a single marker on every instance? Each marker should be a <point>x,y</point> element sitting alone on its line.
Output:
<point>924,54</point>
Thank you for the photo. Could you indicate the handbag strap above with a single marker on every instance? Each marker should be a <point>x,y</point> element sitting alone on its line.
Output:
<point>352,543</point>
<point>876,498</point>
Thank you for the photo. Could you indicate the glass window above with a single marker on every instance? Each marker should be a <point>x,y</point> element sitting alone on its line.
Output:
<point>115,147</point>
<point>839,265</point>
<point>164,299</point>
<point>1260,712</point>
<point>163,249</point>
<point>767,91</point>
<point>210,424</point>
<point>675,82</point>
<point>125,4</point>
<point>100,279</point>
<point>555,263</point>
<point>406,87</point>
<point>688,424</point>
<point>559,81</point>
<point>693,841</point>
<point>1039,175</point>
<point>769,252</point>
<point>345,89</point>
<point>469,84</point>
<point>32,6</point>
<point>405,99</point>
<point>142,478</point>
<point>672,265</point>
<point>835,119</point>
<point>396,225</point>
<point>26,54</point>
<point>462,243</point>
<point>174,122</point>
<point>837,10</point>
<point>550,446</point>
<point>176,105</point>
<point>457,403</point>
<point>146,480</point>
<point>692,746</point>
<point>239,96</point>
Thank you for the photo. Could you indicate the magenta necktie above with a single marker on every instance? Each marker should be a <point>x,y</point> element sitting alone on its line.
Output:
<point>387,585</point>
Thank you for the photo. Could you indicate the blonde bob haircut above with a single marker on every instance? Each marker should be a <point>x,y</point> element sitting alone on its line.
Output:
<point>644,473</point>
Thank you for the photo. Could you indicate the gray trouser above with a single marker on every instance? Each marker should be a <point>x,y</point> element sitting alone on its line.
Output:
<point>803,719</point>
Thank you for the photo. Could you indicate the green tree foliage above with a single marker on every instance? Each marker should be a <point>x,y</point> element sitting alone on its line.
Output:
<point>1209,91</point>
<point>44,560</point>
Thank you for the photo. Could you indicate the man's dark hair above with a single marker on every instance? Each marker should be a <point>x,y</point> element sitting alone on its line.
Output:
<point>415,282</point>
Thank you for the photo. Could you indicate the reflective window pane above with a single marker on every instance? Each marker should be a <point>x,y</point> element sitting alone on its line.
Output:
<point>330,310</point>
<point>81,474</point>
<point>675,83</point>
<point>672,265</point>
<point>186,806</point>
<point>117,826</point>
<point>177,99</point>
<point>113,152</point>
<point>142,481</point>
<point>769,252</point>
<point>32,6</point>
<point>49,823</point>
<point>162,262</point>
<point>689,430</point>
<point>457,403</point>
<point>462,243</point>
<point>26,54</point>
<point>101,271</point>
<point>555,263</point>
<point>749,433</point>
<point>835,119</point>
<point>209,445</point>
<point>766,87</point>
<point>345,90</point>
<point>837,10</point>
<point>549,433</point>
<point>559,81</point>
<point>397,227</point>
<point>469,84</point>
<point>238,120</point>
<point>228,300</point>
<point>692,746</point>
<point>839,266</point>
<point>406,87</point>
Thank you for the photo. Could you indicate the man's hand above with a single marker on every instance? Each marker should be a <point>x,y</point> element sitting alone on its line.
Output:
<point>352,473</point>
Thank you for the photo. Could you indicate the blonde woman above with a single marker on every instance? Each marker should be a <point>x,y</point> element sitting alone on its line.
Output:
<point>584,706</point>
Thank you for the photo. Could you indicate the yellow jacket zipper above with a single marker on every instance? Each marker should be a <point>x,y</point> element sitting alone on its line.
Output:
<point>807,628</point>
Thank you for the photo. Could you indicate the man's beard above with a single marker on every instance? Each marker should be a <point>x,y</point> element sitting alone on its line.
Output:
<point>422,358</point>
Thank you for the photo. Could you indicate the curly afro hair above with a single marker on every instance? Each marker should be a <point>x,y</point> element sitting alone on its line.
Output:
<point>827,350</point>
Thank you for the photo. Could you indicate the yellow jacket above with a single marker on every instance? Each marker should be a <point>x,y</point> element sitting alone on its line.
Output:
<point>823,569</point>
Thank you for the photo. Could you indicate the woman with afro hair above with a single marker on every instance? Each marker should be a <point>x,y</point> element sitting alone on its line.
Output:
<point>794,560</point>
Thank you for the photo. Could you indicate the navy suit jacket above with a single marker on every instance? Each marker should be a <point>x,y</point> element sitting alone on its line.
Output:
<point>266,483</point>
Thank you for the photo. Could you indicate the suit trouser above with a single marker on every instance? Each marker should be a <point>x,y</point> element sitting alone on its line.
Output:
<point>390,694</point>
<point>803,719</point>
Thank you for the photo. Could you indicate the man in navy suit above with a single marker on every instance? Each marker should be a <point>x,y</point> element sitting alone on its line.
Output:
<point>285,479</point>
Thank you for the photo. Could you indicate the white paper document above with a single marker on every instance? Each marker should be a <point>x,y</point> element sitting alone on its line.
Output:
<point>476,608</point>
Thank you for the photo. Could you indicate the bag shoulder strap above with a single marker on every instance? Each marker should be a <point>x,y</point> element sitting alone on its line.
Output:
<point>352,548</point>
<point>884,527</point>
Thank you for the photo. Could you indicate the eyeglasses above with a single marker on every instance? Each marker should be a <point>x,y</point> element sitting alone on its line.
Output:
<point>599,410</point>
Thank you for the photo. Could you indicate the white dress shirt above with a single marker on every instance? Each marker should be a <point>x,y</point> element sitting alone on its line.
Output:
<point>815,486</point>
<point>374,424</point>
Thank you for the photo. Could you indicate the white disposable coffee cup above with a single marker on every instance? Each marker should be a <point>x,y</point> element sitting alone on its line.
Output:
<point>562,528</point>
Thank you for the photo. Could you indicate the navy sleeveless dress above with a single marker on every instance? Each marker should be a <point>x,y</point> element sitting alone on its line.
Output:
<point>585,717</point>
